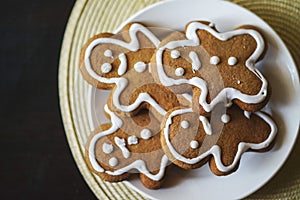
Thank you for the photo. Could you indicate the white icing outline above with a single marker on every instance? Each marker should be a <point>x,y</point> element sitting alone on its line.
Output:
<point>215,150</point>
<point>122,82</point>
<point>139,165</point>
<point>228,93</point>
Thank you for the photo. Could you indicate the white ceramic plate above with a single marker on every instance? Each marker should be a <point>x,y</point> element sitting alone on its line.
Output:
<point>255,168</point>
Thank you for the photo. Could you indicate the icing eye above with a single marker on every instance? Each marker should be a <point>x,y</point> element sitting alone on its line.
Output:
<point>225,118</point>
<point>140,67</point>
<point>214,60</point>
<point>133,140</point>
<point>113,162</point>
<point>232,61</point>
<point>179,71</point>
<point>175,54</point>
<point>108,53</point>
<point>107,148</point>
<point>194,144</point>
<point>146,134</point>
<point>106,68</point>
<point>185,124</point>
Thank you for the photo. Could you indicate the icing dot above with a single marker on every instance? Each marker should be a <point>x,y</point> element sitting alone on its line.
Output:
<point>214,60</point>
<point>140,67</point>
<point>225,118</point>
<point>239,82</point>
<point>133,140</point>
<point>108,53</point>
<point>211,24</point>
<point>107,148</point>
<point>232,61</point>
<point>113,162</point>
<point>146,134</point>
<point>185,124</point>
<point>194,144</point>
<point>106,68</point>
<point>179,71</point>
<point>175,54</point>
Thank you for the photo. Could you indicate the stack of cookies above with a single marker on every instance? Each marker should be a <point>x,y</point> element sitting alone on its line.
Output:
<point>187,98</point>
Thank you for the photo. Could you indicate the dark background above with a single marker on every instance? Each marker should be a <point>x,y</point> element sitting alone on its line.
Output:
<point>35,160</point>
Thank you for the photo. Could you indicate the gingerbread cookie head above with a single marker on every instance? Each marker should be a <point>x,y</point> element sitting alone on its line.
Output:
<point>220,65</point>
<point>190,139</point>
<point>127,146</point>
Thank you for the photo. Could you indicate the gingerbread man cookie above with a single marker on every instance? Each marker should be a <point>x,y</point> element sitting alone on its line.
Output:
<point>120,62</point>
<point>221,66</point>
<point>115,150</point>
<point>189,139</point>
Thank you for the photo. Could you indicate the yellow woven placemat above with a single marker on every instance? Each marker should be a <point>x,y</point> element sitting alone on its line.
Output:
<point>93,16</point>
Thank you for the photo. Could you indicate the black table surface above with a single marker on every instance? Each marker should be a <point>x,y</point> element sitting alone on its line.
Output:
<point>35,159</point>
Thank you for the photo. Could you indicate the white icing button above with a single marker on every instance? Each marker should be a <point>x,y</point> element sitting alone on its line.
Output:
<point>185,124</point>
<point>225,118</point>
<point>146,134</point>
<point>107,148</point>
<point>113,162</point>
<point>140,67</point>
<point>232,61</point>
<point>133,140</point>
<point>214,60</point>
<point>179,71</point>
<point>108,53</point>
<point>175,54</point>
<point>106,68</point>
<point>239,82</point>
<point>194,144</point>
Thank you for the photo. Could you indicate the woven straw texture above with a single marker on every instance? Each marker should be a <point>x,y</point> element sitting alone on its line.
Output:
<point>93,16</point>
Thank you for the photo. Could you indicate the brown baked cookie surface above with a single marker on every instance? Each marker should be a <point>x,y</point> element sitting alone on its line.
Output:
<point>190,139</point>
